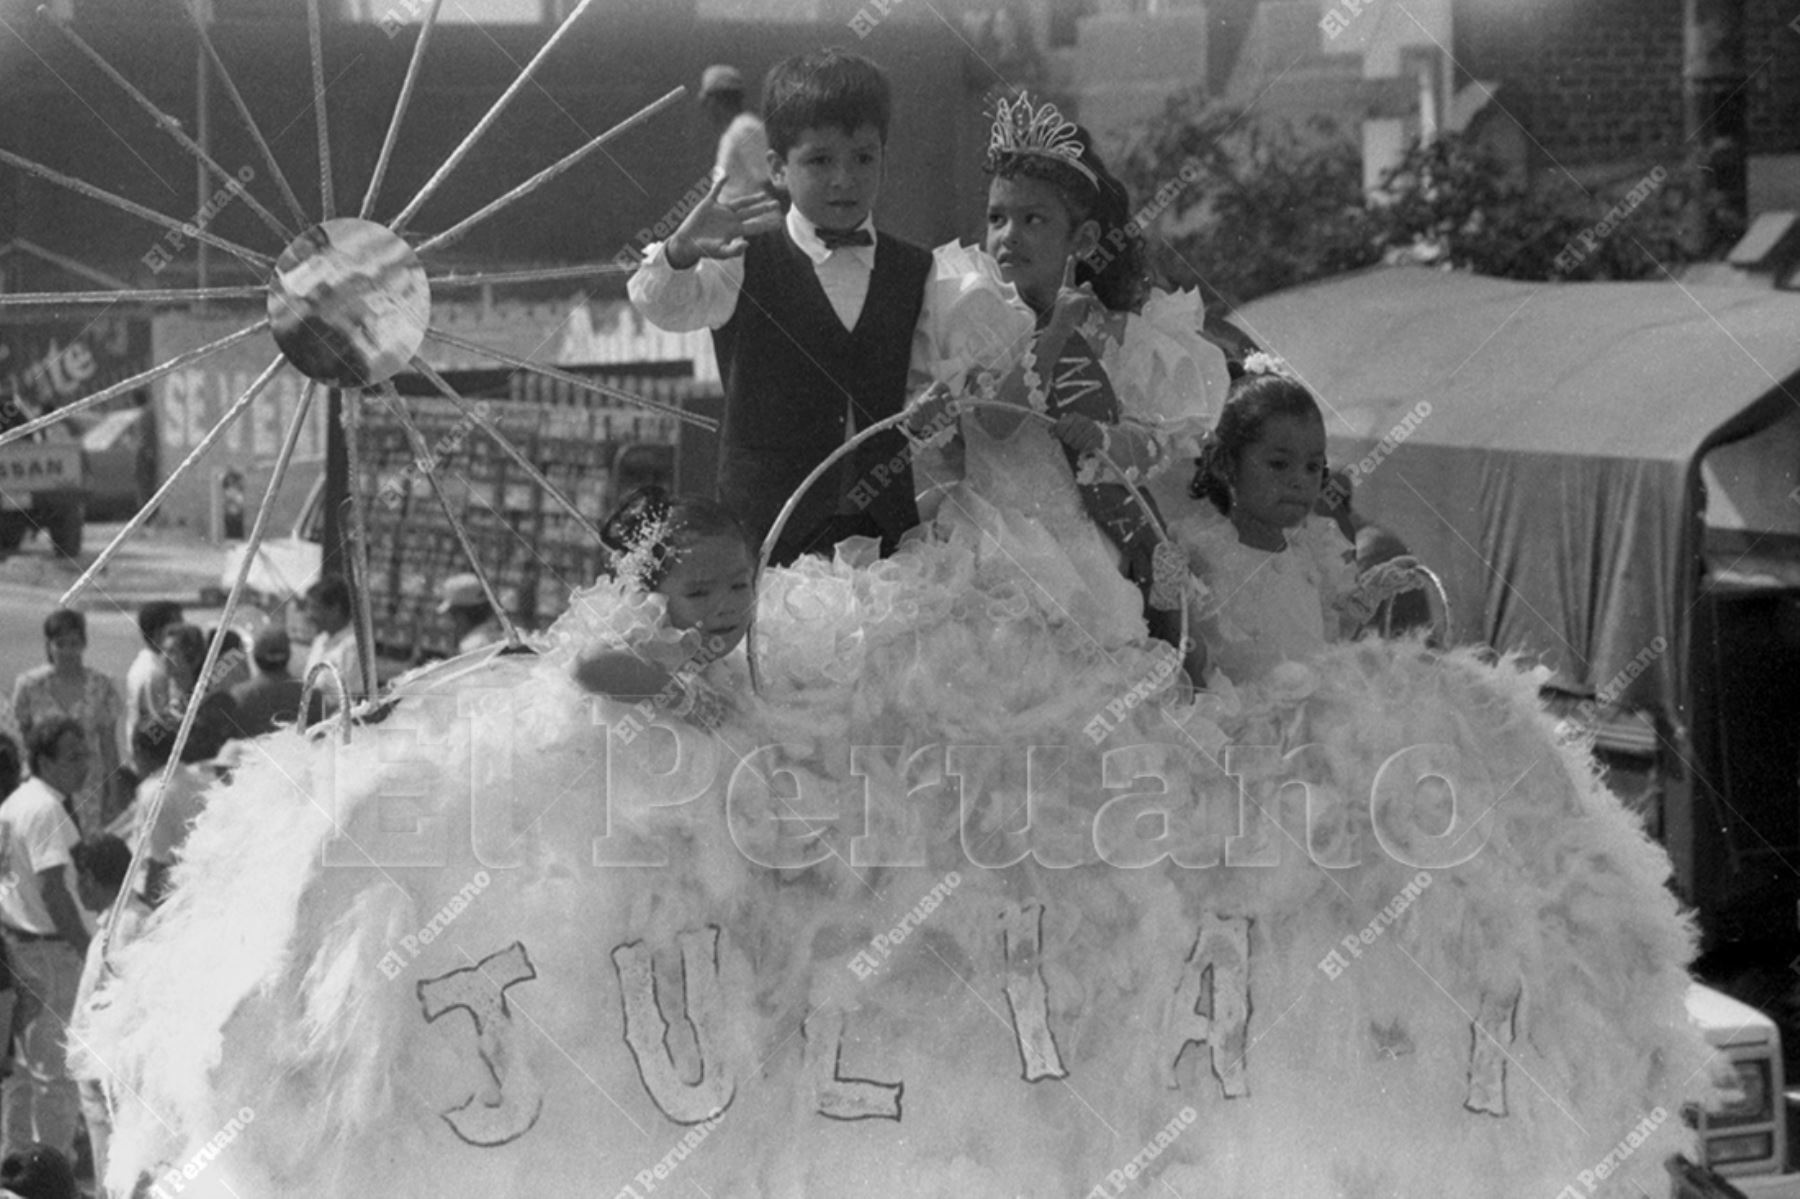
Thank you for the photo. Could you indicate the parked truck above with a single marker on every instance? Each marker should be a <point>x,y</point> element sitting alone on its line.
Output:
<point>45,481</point>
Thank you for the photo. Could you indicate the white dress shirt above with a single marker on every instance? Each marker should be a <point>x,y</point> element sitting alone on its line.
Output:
<point>705,296</point>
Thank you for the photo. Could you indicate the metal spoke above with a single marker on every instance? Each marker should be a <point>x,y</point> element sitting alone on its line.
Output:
<point>362,594</point>
<point>50,299</point>
<point>456,231</point>
<point>533,274</point>
<point>573,380</point>
<point>427,462</point>
<point>260,261</point>
<point>169,125</point>
<point>258,530</point>
<point>243,109</point>
<point>327,196</point>
<point>406,91</point>
<point>481,127</point>
<point>138,518</point>
<point>132,384</point>
<point>505,443</point>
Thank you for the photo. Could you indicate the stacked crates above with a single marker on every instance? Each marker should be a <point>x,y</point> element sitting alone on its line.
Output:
<point>534,552</point>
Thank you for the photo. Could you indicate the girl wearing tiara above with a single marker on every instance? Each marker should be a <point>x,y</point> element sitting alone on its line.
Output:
<point>1055,314</point>
<point>679,600</point>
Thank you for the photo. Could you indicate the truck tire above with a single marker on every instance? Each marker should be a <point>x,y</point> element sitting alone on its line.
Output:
<point>13,526</point>
<point>65,524</point>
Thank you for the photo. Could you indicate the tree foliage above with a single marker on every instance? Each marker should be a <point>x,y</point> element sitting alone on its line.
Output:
<point>1242,207</point>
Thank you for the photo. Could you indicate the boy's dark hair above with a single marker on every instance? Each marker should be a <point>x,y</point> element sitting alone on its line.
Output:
<point>102,857</point>
<point>648,531</point>
<point>822,88</point>
<point>333,591</point>
<point>1254,401</point>
<point>1118,266</point>
<point>64,620</point>
<point>46,735</point>
<point>38,1172</point>
<point>156,616</point>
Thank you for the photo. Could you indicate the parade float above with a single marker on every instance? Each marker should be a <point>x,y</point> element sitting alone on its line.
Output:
<point>950,903</point>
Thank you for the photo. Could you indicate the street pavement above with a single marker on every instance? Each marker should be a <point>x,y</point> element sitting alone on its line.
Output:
<point>155,563</point>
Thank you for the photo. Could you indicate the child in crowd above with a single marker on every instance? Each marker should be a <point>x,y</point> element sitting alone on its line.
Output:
<point>101,864</point>
<point>688,572</point>
<point>1282,577</point>
<point>813,314</point>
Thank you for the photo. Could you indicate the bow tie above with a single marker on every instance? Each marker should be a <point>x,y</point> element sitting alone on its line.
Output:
<point>837,239</point>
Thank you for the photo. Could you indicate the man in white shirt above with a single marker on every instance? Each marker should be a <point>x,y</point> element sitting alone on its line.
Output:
<point>46,935</point>
<point>743,157</point>
<point>328,608</point>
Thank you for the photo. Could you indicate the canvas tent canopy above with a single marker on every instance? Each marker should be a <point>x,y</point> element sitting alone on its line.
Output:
<point>1545,447</point>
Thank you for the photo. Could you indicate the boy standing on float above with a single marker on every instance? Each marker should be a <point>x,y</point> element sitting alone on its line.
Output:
<point>813,313</point>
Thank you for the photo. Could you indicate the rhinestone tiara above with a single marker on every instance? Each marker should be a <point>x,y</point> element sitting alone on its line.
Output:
<point>1021,128</point>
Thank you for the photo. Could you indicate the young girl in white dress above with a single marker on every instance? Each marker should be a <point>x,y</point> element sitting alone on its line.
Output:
<point>679,600</point>
<point>1055,314</point>
<point>1281,578</point>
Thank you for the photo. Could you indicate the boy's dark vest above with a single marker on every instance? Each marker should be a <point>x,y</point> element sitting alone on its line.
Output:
<point>791,371</point>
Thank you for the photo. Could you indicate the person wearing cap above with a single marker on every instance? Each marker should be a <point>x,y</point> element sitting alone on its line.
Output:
<point>270,698</point>
<point>743,156</point>
<point>472,620</point>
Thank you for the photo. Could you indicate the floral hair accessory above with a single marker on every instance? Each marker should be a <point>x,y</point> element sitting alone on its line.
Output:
<point>1040,130</point>
<point>1259,362</point>
<point>640,537</point>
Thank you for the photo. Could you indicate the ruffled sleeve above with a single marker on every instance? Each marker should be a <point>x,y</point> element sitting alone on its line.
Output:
<point>1332,557</point>
<point>1167,376</point>
<point>972,318</point>
<point>1218,560</point>
<point>612,614</point>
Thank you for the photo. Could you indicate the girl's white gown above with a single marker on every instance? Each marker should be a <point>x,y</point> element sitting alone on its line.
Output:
<point>1017,501</point>
<point>962,902</point>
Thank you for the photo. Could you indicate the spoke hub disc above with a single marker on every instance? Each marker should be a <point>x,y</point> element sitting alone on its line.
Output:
<point>349,303</point>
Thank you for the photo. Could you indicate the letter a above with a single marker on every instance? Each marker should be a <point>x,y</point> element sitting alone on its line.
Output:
<point>1022,934</point>
<point>506,1111</point>
<point>647,1034</point>
<point>1217,971</point>
<point>837,1097</point>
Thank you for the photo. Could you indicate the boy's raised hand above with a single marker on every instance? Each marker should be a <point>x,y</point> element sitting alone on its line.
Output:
<point>720,228</point>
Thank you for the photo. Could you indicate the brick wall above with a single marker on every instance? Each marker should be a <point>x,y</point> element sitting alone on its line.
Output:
<point>1772,53</point>
<point>1593,81</point>
<point>1599,81</point>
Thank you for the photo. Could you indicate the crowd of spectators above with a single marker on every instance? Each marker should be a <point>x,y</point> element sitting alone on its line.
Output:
<point>89,762</point>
